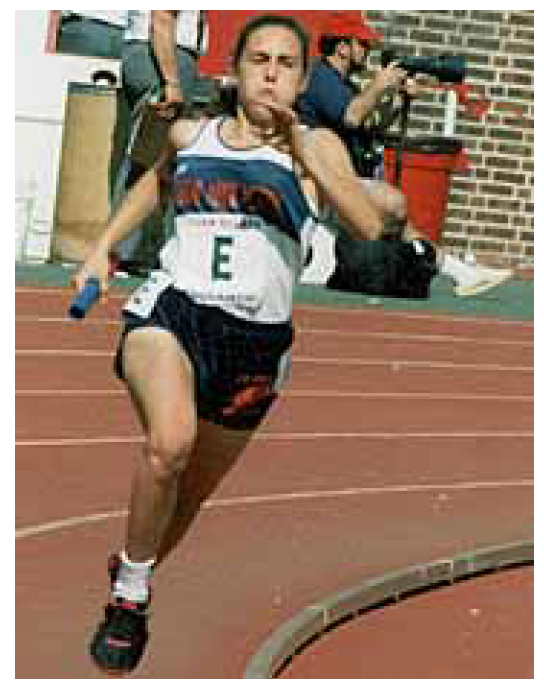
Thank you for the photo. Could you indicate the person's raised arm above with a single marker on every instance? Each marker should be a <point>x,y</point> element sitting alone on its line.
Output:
<point>327,161</point>
<point>389,109</point>
<point>163,31</point>
<point>362,105</point>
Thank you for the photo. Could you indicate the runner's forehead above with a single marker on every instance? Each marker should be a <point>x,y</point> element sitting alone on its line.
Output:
<point>275,40</point>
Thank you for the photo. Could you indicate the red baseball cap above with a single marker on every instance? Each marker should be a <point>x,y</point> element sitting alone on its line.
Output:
<point>339,24</point>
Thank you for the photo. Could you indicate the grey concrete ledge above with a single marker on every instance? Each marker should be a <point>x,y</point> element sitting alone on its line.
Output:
<point>297,632</point>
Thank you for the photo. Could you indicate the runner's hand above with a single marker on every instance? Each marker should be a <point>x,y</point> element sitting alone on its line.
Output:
<point>287,130</point>
<point>97,265</point>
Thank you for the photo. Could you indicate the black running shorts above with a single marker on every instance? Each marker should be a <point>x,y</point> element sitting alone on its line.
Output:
<point>239,366</point>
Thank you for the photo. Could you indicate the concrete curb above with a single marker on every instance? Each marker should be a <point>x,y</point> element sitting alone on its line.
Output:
<point>315,619</point>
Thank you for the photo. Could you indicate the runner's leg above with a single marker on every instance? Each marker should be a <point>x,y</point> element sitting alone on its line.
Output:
<point>160,379</point>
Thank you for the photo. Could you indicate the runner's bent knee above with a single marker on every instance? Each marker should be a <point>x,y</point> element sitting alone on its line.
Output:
<point>169,451</point>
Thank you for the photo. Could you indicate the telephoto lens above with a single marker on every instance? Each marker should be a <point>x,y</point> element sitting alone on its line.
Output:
<point>450,69</point>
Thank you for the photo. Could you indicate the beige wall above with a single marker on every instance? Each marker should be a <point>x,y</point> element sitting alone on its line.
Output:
<point>82,204</point>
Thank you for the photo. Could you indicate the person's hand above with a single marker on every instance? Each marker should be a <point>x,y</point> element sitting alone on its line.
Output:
<point>413,87</point>
<point>284,118</point>
<point>98,266</point>
<point>286,130</point>
<point>172,102</point>
<point>391,76</point>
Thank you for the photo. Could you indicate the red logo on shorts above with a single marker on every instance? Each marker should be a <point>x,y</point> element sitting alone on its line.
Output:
<point>254,390</point>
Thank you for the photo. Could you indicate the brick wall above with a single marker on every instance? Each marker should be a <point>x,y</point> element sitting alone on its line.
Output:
<point>490,208</point>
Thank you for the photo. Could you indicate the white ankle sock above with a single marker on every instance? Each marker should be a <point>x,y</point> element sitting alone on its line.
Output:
<point>133,579</point>
<point>459,271</point>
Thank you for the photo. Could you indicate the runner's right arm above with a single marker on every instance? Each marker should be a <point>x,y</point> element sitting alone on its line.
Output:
<point>137,205</point>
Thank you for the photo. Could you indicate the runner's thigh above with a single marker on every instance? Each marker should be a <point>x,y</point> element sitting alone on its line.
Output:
<point>160,379</point>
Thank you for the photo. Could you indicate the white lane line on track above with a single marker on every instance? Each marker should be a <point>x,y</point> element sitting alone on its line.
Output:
<point>67,320</point>
<point>359,362</point>
<point>407,336</point>
<point>366,310</point>
<point>70,392</point>
<point>274,436</point>
<point>301,393</point>
<point>344,310</point>
<point>80,442</point>
<point>412,364</point>
<point>244,501</point>
<point>404,336</point>
<point>64,352</point>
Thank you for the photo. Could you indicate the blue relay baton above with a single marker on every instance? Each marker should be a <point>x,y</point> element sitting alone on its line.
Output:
<point>85,299</point>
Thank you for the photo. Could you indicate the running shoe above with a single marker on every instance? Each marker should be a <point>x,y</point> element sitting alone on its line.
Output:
<point>120,640</point>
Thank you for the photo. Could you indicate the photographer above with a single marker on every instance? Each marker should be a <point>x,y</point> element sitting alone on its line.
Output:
<point>360,117</point>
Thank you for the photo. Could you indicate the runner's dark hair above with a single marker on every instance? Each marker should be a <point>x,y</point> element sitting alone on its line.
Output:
<point>265,20</point>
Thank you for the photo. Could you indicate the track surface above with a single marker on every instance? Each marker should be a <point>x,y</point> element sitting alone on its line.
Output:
<point>460,629</point>
<point>402,438</point>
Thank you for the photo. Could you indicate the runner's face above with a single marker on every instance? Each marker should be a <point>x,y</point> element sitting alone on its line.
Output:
<point>271,68</point>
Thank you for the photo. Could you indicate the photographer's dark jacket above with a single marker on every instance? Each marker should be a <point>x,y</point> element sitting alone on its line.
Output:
<point>324,104</point>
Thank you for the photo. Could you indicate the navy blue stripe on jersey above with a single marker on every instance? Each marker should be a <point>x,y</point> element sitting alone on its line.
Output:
<point>257,187</point>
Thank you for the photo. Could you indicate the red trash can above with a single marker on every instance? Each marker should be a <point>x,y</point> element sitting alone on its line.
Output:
<point>427,163</point>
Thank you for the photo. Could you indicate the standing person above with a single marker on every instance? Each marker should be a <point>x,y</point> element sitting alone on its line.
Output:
<point>332,100</point>
<point>162,48</point>
<point>206,342</point>
<point>93,33</point>
<point>160,52</point>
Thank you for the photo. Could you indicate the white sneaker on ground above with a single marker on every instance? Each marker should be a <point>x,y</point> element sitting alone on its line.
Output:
<point>486,279</point>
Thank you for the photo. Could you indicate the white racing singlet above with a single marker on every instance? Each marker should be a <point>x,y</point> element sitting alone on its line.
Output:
<point>243,228</point>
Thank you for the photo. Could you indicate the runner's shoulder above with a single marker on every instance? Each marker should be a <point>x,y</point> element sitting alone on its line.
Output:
<point>185,130</point>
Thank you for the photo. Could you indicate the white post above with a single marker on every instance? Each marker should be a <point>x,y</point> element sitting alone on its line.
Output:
<point>451,113</point>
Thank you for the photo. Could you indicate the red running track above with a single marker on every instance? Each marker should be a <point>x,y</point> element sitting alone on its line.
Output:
<point>445,634</point>
<point>402,438</point>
